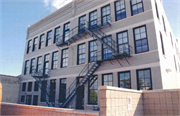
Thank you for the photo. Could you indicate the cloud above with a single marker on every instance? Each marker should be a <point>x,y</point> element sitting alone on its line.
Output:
<point>55,4</point>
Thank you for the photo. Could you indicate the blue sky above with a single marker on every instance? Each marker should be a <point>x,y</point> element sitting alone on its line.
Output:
<point>16,15</point>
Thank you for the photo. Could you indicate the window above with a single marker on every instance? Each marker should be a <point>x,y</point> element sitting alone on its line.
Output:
<point>120,10</point>
<point>66,32</point>
<point>26,67</point>
<point>124,80</point>
<point>55,60</point>
<point>29,46</point>
<point>92,51</point>
<point>48,39</point>
<point>107,79</point>
<point>93,90</point>
<point>175,63</point>
<point>44,83</point>
<point>46,64</point>
<point>22,98</point>
<point>32,68</point>
<point>141,41</point>
<point>82,23</point>
<point>171,39</point>
<point>93,19</point>
<point>62,90</point>
<point>157,13</point>
<point>29,86</point>
<point>56,34</point>
<point>39,61</point>
<point>52,90</point>
<point>36,86</point>
<point>81,54</point>
<point>106,15</point>
<point>164,24</point>
<point>35,44</point>
<point>144,79</point>
<point>41,41</point>
<point>28,99</point>
<point>123,45</point>
<point>64,58</point>
<point>162,44</point>
<point>107,53</point>
<point>35,100</point>
<point>23,87</point>
<point>137,6</point>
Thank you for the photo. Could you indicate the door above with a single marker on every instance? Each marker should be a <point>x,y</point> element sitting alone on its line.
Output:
<point>80,96</point>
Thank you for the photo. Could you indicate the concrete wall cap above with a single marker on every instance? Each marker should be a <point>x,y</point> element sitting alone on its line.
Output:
<point>160,90</point>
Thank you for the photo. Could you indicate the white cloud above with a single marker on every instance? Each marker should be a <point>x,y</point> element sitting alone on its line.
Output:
<point>55,4</point>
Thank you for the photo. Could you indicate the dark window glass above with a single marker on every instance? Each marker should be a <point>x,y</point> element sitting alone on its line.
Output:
<point>81,54</point>
<point>56,34</point>
<point>137,6</point>
<point>171,39</point>
<point>35,44</point>
<point>120,10</point>
<point>48,39</point>
<point>22,98</point>
<point>44,83</point>
<point>164,24</point>
<point>107,80</point>
<point>141,41</point>
<point>162,44</point>
<point>55,60</point>
<point>29,86</point>
<point>39,62</point>
<point>26,67</point>
<point>52,90</point>
<point>64,58</point>
<point>107,53</point>
<point>93,19</point>
<point>123,45</point>
<point>28,99</point>
<point>144,79</point>
<point>106,12</point>
<point>32,68</point>
<point>124,80</point>
<point>62,90</point>
<point>36,86</point>
<point>92,51</point>
<point>157,13</point>
<point>93,90</point>
<point>175,63</point>
<point>46,64</point>
<point>24,87</point>
<point>41,41</point>
<point>82,22</point>
<point>29,46</point>
<point>66,31</point>
<point>35,100</point>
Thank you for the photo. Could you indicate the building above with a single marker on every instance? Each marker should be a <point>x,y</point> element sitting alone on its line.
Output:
<point>10,88</point>
<point>123,43</point>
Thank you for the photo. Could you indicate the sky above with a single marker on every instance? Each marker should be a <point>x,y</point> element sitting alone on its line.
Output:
<point>16,15</point>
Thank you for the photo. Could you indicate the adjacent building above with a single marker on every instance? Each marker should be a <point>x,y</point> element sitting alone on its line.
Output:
<point>89,43</point>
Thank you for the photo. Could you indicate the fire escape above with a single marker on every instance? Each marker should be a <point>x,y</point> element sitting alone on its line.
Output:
<point>94,29</point>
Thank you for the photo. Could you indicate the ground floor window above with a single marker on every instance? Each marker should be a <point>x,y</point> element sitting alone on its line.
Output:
<point>35,100</point>
<point>124,80</point>
<point>22,98</point>
<point>93,90</point>
<point>28,99</point>
<point>52,90</point>
<point>107,79</point>
<point>144,79</point>
<point>44,83</point>
<point>62,90</point>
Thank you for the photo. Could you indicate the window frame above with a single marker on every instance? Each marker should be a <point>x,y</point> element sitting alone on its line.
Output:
<point>124,79</point>
<point>52,90</point>
<point>41,41</point>
<point>32,66</point>
<point>39,64</point>
<point>48,38</point>
<point>78,54</point>
<point>60,92</point>
<point>164,25</point>
<point>136,4</point>
<point>66,30</point>
<point>108,79</point>
<point>35,44</point>
<point>140,39</point>
<point>29,47</point>
<point>162,43</point>
<point>62,58</point>
<point>22,96</point>
<point>117,39</point>
<point>54,60</point>
<point>102,23</point>
<point>44,84</point>
<point>26,68</point>
<point>138,87</point>
<point>23,87</point>
<point>94,20</point>
<point>56,35</point>
<point>157,12</point>
<point>89,58</point>
<point>79,25</point>
<point>119,10</point>
<point>106,48</point>
<point>36,87</point>
<point>44,66</point>
<point>29,87</point>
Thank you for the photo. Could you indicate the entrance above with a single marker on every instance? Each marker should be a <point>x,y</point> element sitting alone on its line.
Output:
<point>80,96</point>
